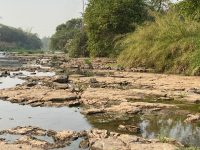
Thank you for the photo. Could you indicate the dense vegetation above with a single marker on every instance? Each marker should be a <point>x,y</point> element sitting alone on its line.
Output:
<point>65,33</point>
<point>190,8</point>
<point>108,19</point>
<point>154,34</point>
<point>12,38</point>
<point>169,44</point>
<point>166,45</point>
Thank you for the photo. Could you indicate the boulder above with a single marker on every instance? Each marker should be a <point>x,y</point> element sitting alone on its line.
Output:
<point>61,79</point>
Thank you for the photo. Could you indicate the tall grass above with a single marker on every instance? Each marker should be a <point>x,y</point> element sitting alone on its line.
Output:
<point>170,44</point>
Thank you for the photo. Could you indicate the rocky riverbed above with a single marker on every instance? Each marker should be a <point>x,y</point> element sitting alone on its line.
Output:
<point>95,104</point>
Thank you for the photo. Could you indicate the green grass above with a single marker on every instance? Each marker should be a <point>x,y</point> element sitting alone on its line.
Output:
<point>167,45</point>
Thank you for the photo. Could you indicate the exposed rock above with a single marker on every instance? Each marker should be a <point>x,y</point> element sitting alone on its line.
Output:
<point>6,146</point>
<point>94,111</point>
<point>124,108</point>
<point>40,96</point>
<point>129,128</point>
<point>93,80</point>
<point>5,74</point>
<point>84,144</point>
<point>103,140</point>
<point>31,84</point>
<point>61,86</point>
<point>26,130</point>
<point>61,79</point>
<point>134,108</point>
<point>29,137</point>
<point>63,135</point>
<point>192,118</point>
<point>32,141</point>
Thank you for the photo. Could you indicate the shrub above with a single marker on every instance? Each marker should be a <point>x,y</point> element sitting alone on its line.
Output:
<point>167,45</point>
<point>106,19</point>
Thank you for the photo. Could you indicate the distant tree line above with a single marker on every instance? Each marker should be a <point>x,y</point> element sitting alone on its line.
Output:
<point>12,38</point>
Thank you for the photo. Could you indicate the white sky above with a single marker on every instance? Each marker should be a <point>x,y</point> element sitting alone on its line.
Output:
<point>42,16</point>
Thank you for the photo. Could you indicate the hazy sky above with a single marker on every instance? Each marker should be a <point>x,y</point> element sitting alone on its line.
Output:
<point>42,16</point>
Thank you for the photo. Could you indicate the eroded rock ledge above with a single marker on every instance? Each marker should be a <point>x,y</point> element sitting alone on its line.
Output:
<point>93,139</point>
<point>40,96</point>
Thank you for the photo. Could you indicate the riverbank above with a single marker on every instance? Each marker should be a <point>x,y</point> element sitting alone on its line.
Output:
<point>120,103</point>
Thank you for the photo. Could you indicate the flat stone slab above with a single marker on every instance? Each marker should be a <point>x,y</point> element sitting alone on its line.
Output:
<point>40,96</point>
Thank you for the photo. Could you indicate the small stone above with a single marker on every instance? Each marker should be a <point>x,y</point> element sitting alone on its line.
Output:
<point>61,79</point>
<point>192,118</point>
<point>93,80</point>
<point>129,128</point>
<point>11,118</point>
<point>84,144</point>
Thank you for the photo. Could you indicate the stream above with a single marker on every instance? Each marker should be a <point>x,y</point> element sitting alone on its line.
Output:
<point>64,118</point>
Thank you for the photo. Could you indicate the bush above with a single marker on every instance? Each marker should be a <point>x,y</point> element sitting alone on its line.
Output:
<point>167,45</point>
<point>189,8</point>
<point>77,47</point>
<point>106,19</point>
<point>64,34</point>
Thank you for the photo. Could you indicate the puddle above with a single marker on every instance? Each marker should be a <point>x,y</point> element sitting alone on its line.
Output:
<point>36,73</point>
<point>13,115</point>
<point>8,82</point>
<point>74,145</point>
<point>154,126</point>
<point>10,138</point>
<point>45,138</point>
<point>12,81</point>
<point>64,118</point>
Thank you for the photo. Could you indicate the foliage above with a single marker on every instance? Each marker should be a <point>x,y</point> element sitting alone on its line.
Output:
<point>78,45</point>
<point>106,19</point>
<point>64,34</point>
<point>12,38</point>
<point>189,8</point>
<point>158,5</point>
<point>166,45</point>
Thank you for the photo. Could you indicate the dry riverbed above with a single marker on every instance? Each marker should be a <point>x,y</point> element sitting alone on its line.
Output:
<point>131,109</point>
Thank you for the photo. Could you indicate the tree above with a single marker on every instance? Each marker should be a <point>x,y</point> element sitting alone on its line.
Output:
<point>12,38</point>
<point>64,33</point>
<point>190,8</point>
<point>158,5</point>
<point>106,19</point>
<point>78,45</point>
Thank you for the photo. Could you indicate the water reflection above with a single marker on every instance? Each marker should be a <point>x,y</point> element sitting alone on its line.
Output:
<point>152,126</point>
<point>63,118</point>
<point>173,127</point>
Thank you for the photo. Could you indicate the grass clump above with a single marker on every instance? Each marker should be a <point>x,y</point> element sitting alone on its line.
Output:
<point>169,44</point>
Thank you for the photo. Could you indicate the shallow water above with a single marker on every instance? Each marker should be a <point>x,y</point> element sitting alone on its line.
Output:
<point>36,73</point>
<point>13,115</point>
<point>63,118</point>
<point>7,62</point>
<point>12,81</point>
<point>153,126</point>
<point>8,82</point>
